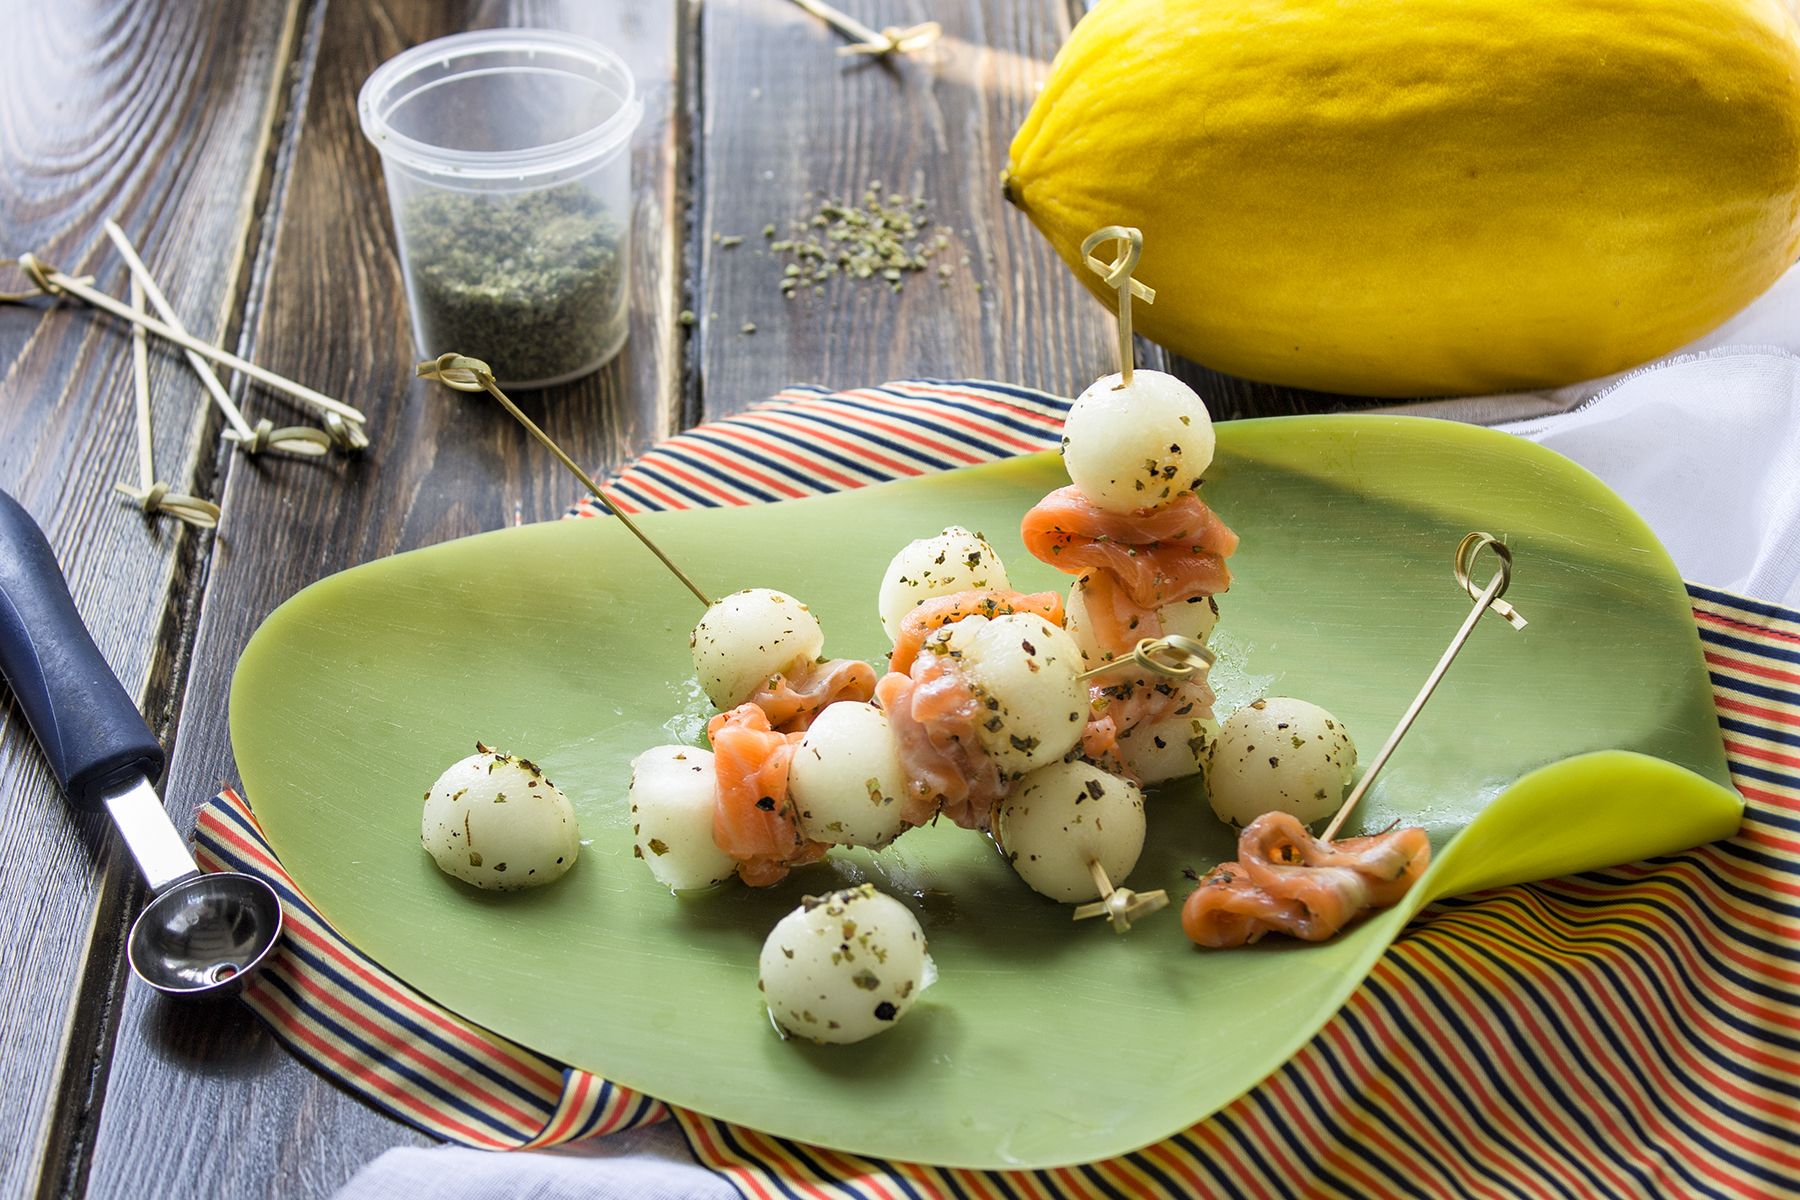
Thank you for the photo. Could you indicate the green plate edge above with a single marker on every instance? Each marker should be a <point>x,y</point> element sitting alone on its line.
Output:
<point>1043,1044</point>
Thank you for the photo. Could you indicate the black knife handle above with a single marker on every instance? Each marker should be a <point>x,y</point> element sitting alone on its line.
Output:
<point>88,726</point>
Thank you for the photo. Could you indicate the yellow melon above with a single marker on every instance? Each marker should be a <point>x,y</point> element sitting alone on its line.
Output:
<point>1417,197</point>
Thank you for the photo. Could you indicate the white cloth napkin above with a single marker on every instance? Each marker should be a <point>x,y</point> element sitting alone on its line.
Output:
<point>1704,444</point>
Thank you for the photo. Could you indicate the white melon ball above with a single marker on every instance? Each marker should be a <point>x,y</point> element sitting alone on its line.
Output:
<point>493,820</point>
<point>672,800</point>
<point>1193,618</point>
<point>1024,671</point>
<point>748,636</point>
<point>845,777</point>
<point>1137,446</point>
<point>1061,817</point>
<point>1280,754</point>
<point>1175,747</point>
<point>956,560</point>
<point>844,967</point>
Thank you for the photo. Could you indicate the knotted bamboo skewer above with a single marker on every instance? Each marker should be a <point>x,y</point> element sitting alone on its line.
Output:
<point>465,374</point>
<point>1117,274</point>
<point>153,495</point>
<point>294,439</point>
<point>875,43</point>
<point>1486,598</point>
<point>344,422</point>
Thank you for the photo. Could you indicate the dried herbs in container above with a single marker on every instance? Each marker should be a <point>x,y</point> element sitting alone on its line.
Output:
<point>507,158</point>
<point>530,281</point>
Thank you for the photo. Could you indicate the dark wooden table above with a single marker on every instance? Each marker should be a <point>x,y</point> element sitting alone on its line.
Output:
<point>223,137</point>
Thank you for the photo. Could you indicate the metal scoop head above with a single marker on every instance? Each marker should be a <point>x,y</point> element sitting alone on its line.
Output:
<point>200,935</point>
<point>205,936</point>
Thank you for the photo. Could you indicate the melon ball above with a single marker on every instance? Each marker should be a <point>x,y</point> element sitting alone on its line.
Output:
<point>672,799</point>
<point>1193,618</point>
<point>1139,445</point>
<point>1024,671</point>
<point>1175,747</point>
<point>953,561</point>
<point>493,820</point>
<point>1280,754</point>
<point>1061,817</point>
<point>749,636</point>
<point>845,777</point>
<point>844,967</point>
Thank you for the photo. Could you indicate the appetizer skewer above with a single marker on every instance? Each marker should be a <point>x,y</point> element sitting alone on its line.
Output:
<point>1286,881</point>
<point>1148,554</point>
<point>754,646</point>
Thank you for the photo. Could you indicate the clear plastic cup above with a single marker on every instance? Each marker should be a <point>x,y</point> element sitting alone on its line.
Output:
<point>507,155</point>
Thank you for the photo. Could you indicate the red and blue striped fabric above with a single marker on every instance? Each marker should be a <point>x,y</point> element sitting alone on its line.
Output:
<point>1629,1032</point>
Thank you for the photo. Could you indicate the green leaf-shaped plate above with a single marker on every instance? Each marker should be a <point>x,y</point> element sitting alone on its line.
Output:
<point>1044,1042</point>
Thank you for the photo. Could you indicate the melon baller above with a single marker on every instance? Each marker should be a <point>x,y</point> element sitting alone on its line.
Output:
<point>200,934</point>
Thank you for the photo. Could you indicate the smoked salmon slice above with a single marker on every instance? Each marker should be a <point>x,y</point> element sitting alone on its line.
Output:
<point>791,701</point>
<point>1287,881</point>
<point>1133,562</point>
<point>940,611</point>
<point>932,711</point>
<point>753,819</point>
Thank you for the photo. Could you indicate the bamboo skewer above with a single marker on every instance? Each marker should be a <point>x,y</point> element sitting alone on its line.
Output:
<point>152,495</point>
<point>298,439</point>
<point>1117,274</point>
<point>1175,656</point>
<point>1486,598</point>
<point>52,282</point>
<point>465,374</point>
<point>876,43</point>
<point>1120,906</point>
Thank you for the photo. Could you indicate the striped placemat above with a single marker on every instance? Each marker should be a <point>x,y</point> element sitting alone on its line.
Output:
<point>1629,1032</point>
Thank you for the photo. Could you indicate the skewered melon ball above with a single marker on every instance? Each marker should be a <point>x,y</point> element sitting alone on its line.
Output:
<point>1280,754</point>
<point>1137,446</point>
<point>1175,747</point>
<point>845,777</point>
<point>953,561</point>
<point>844,967</point>
<point>1024,671</point>
<point>493,820</point>
<point>749,636</point>
<point>1195,618</point>
<point>1060,817</point>
<point>672,790</point>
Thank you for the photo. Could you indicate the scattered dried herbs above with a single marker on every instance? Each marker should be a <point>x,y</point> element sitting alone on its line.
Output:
<point>529,281</point>
<point>885,236</point>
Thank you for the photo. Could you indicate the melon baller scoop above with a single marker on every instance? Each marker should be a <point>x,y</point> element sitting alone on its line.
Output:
<point>201,934</point>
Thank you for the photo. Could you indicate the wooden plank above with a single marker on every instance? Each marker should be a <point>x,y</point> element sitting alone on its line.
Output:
<point>156,114</point>
<point>328,308</point>
<point>783,116</point>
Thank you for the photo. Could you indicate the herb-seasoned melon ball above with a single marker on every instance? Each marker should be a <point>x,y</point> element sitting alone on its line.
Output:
<point>1060,817</point>
<point>1024,671</point>
<point>844,967</point>
<point>672,801</point>
<point>1140,445</point>
<point>845,778</point>
<point>749,636</point>
<point>493,820</point>
<point>1194,618</point>
<point>956,560</point>
<point>1280,754</point>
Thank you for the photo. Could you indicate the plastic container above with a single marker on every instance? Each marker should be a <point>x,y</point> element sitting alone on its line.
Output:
<point>507,155</point>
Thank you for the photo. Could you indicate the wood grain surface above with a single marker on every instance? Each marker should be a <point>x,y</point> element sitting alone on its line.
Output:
<point>785,123</point>
<point>224,137</point>
<point>157,115</point>
<point>328,307</point>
